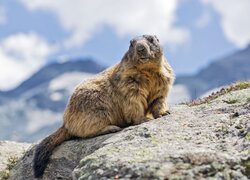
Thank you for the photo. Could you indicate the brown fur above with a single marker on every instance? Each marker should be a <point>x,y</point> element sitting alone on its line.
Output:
<point>129,93</point>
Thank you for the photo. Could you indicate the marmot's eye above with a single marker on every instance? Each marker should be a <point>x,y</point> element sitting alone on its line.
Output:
<point>150,39</point>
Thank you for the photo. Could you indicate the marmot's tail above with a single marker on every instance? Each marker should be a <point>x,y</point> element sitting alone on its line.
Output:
<point>45,148</point>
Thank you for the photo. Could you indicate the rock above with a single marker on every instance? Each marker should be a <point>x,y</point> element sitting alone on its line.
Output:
<point>64,159</point>
<point>206,140</point>
<point>10,152</point>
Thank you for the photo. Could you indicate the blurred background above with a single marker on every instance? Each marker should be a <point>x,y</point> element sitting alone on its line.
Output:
<point>48,46</point>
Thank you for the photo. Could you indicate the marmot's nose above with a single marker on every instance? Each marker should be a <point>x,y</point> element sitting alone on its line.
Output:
<point>140,48</point>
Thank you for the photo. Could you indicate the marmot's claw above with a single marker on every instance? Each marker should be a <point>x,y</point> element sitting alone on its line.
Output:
<point>166,113</point>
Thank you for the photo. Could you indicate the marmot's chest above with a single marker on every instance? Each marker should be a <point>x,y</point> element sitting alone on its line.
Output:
<point>152,84</point>
<point>157,85</point>
<point>146,84</point>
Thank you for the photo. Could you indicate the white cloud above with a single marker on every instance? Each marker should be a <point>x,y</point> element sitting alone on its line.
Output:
<point>234,19</point>
<point>20,56</point>
<point>83,18</point>
<point>3,17</point>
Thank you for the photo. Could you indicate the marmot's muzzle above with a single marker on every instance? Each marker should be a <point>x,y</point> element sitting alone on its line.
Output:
<point>142,50</point>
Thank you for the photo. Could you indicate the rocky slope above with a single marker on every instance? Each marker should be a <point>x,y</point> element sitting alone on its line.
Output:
<point>203,139</point>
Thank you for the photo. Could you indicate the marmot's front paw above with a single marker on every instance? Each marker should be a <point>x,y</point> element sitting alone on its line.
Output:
<point>165,113</point>
<point>160,114</point>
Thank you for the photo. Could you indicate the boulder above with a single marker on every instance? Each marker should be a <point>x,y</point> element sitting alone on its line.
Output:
<point>202,139</point>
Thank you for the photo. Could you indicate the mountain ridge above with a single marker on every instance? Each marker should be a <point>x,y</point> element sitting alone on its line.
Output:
<point>221,72</point>
<point>53,70</point>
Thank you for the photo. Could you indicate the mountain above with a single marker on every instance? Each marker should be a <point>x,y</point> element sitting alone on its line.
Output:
<point>221,72</point>
<point>53,70</point>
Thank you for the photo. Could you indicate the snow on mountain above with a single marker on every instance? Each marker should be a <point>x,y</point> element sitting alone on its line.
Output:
<point>38,119</point>
<point>68,81</point>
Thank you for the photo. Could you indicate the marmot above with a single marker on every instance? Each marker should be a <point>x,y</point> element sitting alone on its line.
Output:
<point>129,93</point>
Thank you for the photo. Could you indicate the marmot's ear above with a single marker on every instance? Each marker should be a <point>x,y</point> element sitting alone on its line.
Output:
<point>150,39</point>
<point>156,38</point>
<point>132,42</point>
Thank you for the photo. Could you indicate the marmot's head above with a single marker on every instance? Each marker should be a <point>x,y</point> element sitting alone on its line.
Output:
<point>144,49</point>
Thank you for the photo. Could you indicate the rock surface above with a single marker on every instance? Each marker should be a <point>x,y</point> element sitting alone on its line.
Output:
<point>8,149</point>
<point>9,153</point>
<point>211,139</point>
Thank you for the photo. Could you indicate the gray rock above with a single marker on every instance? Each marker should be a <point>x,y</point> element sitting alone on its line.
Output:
<point>10,152</point>
<point>210,140</point>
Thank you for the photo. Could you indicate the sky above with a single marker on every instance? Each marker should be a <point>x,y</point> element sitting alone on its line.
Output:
<point>192,32</point>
